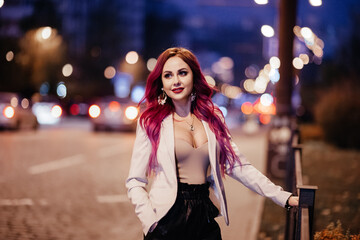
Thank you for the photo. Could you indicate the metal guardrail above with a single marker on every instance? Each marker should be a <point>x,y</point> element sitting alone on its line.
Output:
<point>299,221</point>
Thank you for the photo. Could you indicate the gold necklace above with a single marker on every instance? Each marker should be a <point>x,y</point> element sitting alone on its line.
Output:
<point>192,128</point>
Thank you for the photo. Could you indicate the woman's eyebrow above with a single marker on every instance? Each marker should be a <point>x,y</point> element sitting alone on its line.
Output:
<point>182,69</point>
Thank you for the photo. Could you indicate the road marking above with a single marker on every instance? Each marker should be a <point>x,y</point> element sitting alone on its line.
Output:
<point>16,202</point>
<point>113,150</point>
<point>112,198</point>
<point>57,164</point>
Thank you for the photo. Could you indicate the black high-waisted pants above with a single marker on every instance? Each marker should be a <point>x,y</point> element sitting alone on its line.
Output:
<point>190,218</point>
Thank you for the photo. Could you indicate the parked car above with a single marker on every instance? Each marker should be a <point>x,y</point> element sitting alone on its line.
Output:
<point>111,113</point>
<point>48,111</point>
<point>16,112</point>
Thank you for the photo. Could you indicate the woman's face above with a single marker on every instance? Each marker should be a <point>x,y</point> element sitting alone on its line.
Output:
<point>177,79</point>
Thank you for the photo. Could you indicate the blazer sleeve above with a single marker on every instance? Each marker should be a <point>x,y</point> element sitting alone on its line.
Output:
<point>137,179</point>
<point>253,179</point>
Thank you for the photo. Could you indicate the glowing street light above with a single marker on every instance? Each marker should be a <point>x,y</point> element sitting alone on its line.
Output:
<point>1,3</point>
<point>267,31</point>
<point>261,2</point>
<point>315,3</point>
<point>46,32</point>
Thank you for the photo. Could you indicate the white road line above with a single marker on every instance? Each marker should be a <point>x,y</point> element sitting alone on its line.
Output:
<point>119,198</point>
<point>57,164</point>
<point>110,151</point>
<point>16,202</point>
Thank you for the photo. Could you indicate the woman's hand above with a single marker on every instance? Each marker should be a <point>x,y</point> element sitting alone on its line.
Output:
<point>294,201</point>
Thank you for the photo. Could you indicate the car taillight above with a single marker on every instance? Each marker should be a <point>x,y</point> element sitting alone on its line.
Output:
<point>9,112</point>
<point>114,106</point>
<point>131,112</point>
<point>94,111</point>
<point>56,111</point>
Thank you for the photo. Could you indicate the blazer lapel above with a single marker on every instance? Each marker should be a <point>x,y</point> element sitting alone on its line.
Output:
<point>167,137</point>
<point>212,144</point>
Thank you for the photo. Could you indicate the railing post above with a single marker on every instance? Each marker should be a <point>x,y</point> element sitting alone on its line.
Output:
<point>306,201</point>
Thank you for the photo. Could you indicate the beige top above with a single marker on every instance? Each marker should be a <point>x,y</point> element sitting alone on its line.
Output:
<point>192,163</point>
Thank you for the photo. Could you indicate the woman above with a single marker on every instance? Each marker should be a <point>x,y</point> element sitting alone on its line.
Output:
<point>183,143</point>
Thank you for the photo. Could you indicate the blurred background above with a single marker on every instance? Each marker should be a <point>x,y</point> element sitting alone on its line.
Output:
<point>72,74</point>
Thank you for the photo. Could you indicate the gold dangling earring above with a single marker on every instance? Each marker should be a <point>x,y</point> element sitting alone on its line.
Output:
<point>162,99</point>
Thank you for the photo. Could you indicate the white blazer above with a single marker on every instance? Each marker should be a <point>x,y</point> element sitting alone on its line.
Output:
<point>151,205</point>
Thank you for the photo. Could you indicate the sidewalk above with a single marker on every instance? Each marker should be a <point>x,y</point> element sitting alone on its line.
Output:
<point>245,207</point>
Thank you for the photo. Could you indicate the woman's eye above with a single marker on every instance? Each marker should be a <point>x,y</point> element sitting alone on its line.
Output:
<point>183,73</point>
<point>167,75</point>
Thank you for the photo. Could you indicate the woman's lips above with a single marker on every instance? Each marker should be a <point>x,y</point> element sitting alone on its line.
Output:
<point>178,90</point>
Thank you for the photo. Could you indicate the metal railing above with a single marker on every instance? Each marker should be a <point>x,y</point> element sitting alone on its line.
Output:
<point>299,221</point>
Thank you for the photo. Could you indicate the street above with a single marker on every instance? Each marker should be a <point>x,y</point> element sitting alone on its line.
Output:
<point>67,182</point>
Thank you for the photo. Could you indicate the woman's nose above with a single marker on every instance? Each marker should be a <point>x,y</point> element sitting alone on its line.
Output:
<point>176,81</point>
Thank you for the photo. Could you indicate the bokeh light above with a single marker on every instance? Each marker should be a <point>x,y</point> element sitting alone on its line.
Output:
<point>25,103</point>
<point>114,106</point>
<point>298,63</point>
<point>306,33</point>
<point>151,63</point>
<point>261,2</point>
<point>210,80</point>
<point>249,85</point>
<point>267,31</point>
<point>274,62</point>
<point>9,112</point>
<point>315,3</point>
<point>305,58</point>
<point>266,99</point>
<point>61,90</point>
<point>226,63</point>
<point>137,93</point>
<point>247,108</point>
<point>56,111</point>
<point>46,32</point>
<point>109,72</point>
<point>251,71</point>
<point>132,57</point>
<point>14,101</point>
<point>94,111</point>
<point>131,112</point>
<point>9,56</point>
<point>67,70</point>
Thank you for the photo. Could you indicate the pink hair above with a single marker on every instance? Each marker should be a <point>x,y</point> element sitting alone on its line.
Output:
<point>203,107</point>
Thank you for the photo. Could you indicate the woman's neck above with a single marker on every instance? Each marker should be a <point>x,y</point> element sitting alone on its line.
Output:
<point>182,109</point>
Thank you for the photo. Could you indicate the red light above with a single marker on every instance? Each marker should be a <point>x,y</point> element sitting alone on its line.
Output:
<point>74,109</point>
<point>114,106</point>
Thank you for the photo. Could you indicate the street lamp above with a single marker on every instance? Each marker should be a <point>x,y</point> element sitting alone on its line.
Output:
<point>315,3</point>
<point>261,2</point>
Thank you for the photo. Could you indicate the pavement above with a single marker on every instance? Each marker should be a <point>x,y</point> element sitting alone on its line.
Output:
<point>85,198</point>
<point>245,207</point>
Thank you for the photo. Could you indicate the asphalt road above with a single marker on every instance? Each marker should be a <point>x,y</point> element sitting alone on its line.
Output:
<point>67,182</point>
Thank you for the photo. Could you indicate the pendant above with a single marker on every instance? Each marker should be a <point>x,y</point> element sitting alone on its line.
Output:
<point>192,128</point>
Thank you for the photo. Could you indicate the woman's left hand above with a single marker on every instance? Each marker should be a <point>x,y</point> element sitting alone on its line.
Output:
<point>294,201</point>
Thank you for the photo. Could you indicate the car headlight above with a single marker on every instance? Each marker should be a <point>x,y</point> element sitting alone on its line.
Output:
<point>94,111</point>
<point>131,112</point>
<point>9,112</point>
<point>56,111</point>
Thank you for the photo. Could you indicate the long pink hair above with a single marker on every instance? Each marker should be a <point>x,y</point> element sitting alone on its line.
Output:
<point>203,107</point>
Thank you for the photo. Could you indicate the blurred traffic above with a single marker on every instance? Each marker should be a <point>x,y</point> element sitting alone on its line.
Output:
<point>111,113</point>
<point>16,112</point>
